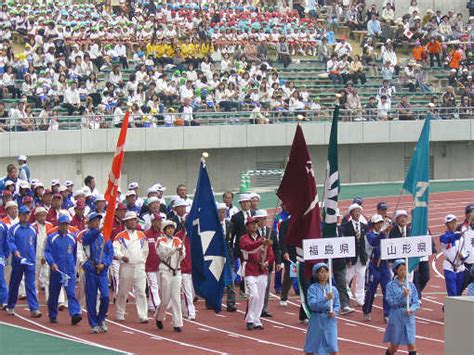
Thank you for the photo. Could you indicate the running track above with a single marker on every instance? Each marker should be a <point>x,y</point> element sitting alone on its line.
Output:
<point>283,334</point>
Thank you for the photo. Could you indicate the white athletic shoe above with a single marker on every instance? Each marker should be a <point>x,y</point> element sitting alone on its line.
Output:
<point>11,311</point>
<point>103,327</point>
<point>347,310</point>
<point>191,317</point>
<point>283,303</point>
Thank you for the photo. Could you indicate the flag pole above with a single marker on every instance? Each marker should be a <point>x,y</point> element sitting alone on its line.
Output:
<point>331,301</point>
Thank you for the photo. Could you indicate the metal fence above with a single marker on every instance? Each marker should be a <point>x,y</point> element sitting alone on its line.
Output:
<point>19,124</point>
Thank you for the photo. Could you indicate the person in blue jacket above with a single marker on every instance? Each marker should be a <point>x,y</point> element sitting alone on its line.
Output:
<point>379,271</point>
<point>401,329</point>
<point>470,287</point>
<point>22,244</point>
<point>61,255</point>
<point>321,337</point>
<point>4,254</point>
<point>99,255</point>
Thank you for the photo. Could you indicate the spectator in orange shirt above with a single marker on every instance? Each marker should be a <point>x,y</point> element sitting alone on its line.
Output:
<point>419,52</point>
<point>456,57</point>
<point>434,51</point>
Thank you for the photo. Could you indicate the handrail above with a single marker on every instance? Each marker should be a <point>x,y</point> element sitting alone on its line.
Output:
<point>170,119</point>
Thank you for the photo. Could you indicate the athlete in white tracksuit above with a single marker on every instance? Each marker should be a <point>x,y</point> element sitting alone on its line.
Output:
<point>131,249</point>
<point>171,251</point>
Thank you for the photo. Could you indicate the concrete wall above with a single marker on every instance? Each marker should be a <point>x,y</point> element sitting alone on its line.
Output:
<point>369,151</point>
<point>459,322</point>
<point>401,6</point>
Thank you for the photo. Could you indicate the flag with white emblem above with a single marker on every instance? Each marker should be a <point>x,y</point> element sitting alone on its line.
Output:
<point>331,184</point>
<point>210,264</point>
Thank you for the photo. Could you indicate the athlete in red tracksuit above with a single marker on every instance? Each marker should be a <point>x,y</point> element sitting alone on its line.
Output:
<point>257,256</point>
<point>153,262</point>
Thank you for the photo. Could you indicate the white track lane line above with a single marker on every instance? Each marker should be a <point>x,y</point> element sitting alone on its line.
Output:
<point>80,340</point>
<point>370,325</point>
<point>158,336</point>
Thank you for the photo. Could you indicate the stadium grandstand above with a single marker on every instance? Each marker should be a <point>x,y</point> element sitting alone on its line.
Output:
<point>300,120</point>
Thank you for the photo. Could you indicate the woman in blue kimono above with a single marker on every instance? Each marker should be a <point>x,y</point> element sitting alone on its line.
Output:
<point>401,321</point>
<point>321,337</point>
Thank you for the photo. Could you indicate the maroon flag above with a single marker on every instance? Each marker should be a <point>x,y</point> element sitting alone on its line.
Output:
<point>298,193</point>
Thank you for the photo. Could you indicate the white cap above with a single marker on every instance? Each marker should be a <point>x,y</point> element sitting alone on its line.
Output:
<point>22,157</point>
<point>354,206</point>
<point>167,223</point>
<point>245,197</point>
<point>129,215</point>
<point>221,206</point>
<point>68,183</point>
<point>399,213</point>
<point>261,214</point>
<point>55,182</point>
<point>37,184</point>
<point>130,193</point>
<point>153,200</point>
<point>254,195</point>
<point>151,190</point>
<point>79,193</point>
<point>158,187</point>
<point>40,209</point>
<point>100,198</point>
<point>11,204</point>
<point>8,183</point>
<point>449,218</point>
<point>376,218</point>
<point>24,185</point>
<point>62,188</point>
<point>133,185</point>
<point>179,202</point>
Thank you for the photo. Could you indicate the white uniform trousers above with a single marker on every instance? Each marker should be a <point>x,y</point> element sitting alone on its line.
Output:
<point>42,278</point>
<point>153,279</point>
<point>115,274</point>
<point>170,287</point>
<point>188,300</point>
<point>256,286</point>
<point>132,276</point>
<point>357,271</point>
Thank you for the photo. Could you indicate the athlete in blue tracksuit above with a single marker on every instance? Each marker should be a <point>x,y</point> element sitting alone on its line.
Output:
<point>61,254</point>
<point>379,271</point>
<point>22,244</point>
<point>99,257</point>
<point>4,254</point>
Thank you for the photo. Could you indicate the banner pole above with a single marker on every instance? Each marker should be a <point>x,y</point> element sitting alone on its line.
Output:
<point>331,301</point>
<point>407,284</point>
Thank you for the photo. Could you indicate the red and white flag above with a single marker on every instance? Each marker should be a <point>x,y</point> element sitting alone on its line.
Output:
<point>114,179</point>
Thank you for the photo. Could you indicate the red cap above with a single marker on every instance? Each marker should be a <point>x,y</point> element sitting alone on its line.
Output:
<point>27,199</point>
<point>156,217</point>
<point>7,193</point>
<point>47,192</point>
<point>121,206</point>
<point>57,195</point>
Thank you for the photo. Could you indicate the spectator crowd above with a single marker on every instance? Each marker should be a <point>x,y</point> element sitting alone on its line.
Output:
<point>166,63</point>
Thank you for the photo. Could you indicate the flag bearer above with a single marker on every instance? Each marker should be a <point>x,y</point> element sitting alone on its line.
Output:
<point>401,328</point>
<point>379,271</point>
<point>186,275</point>
<point>321,337</point>
<point>453,246</point>
<point>171,252</point>
<point>257,257</point>
<point>99,254</point>
<point>22,244</point>
<point>61,254</point>
<point>131,249</point>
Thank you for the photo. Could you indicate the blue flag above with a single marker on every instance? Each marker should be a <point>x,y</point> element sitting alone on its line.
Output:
<point>417,183</point>
<point>211,270</point>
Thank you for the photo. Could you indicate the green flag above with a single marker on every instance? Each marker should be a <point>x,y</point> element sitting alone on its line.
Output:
<point>331,184</point>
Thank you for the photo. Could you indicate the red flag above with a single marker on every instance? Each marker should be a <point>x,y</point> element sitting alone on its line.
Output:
<point>114,179</point>
<point>298,193</point>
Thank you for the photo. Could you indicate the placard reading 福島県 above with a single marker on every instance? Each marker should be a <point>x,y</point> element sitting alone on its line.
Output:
<point>328,248</point>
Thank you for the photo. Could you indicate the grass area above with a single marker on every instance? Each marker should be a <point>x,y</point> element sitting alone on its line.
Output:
<point>269,199</point>
<point>16,341</point>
